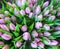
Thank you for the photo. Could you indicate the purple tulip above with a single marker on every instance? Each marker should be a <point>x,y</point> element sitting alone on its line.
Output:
<point>27,10</point>
<point>6,36</point>
<point>46,12</point>
<point>41,44</point>
<point>30,15</point>
<point>2,16</point>
<point>0,33</point>
<point>7,18</point>
<point>12,26</point>
<point>46,4</point>
<point>2,21</point>
<point>40,17</point>
<point>26,36</point>
<point>38,25</point>
<point>37,39</point>
<point>57,28</point>
<point>13,18</point>
<point>6,47</point>
<point>22,12</point>
<point>1,42</point>
<point>47,34</point>
<point>34,44</point>
<point>24,28</point>
<point>58,14</point>
<point>3,26</point>
<point>47,27</point>
<point>18,44</point>
<point>41,34</point>
<point>34,33</point>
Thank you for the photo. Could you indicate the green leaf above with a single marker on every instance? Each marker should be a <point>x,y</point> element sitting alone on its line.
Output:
<point>24,21</point>
<point>56,33</point>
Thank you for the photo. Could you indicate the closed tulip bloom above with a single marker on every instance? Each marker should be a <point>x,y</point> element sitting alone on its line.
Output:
<point>27,10</point>
<point>47,34</point>
<point>38,9</point>
<point>40,17</point>
<point>41,34</point>
<point>41,44</point>
<point>37,39</point>
<point>1,42</point>
<point>4,27</point>
<point>58,14</point>
<point>2,16</point>
<point>0,33</point>
<point>6,47</point>
<point>33,1</point>
<point>2,21</point>
<point>38,25</point>
<point>6,36</point>
<point>34,44</point>
<point>7,18</point>
<point>18,44</point>
<point>22,12</point>
<point>46,4</point>
<point>12,26</point>
<point>26,35</point>
<point>57,28</point>
<point>30,15</point>
<point>54,42</point>
<point>6,12</point>
<point>47,27</point>
<point>24,28</point>
<point>34,33</point>
<point>46,12</point>
<point>13,18</point>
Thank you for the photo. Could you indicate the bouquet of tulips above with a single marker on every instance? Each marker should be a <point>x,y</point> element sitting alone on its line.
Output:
<point>30,24</point>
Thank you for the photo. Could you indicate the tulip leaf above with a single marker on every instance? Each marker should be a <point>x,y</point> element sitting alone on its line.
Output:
<point>56,33</point>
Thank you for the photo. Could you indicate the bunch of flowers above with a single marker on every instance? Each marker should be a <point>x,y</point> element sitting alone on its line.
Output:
<point>30,24</point>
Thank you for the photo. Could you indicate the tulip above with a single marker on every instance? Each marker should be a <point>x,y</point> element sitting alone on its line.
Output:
<point>18,44</point>
<point>46,4</point>
<point>47,34</point>
<point>24,28</point>
<point>22,12</point>
<point>57,28</point>
<point>38,25</point>
<point>46,27</point>
<point>58,14</point>
<point>6,12</point>
<point>37,39</point>
<point>26,35</point>
<point>2,21</point>
<point>40,17</point>
<point>6,47</point>
<point>46,12</point>
<point>34,33</point>
<point>6,36</point>
<point>0,33</point>
<point>34,44</point>
<point>27,10</point>
<point>30,15</point>
<point>41,34</point>
<point>1,42</point>
<point>2,16</point>
<point>7,18</point>
<point>13,18</point>
<point>4,27</point>
<point>12,26</point>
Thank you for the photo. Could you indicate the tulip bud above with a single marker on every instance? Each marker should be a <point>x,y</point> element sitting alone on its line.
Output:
<point>58,14</point>
<point>46,4</point>
<point>46,12</point>
<point>41,34</point>
<point>6,36</point>
<point>13,18</point>
<point>40,17</point>
<point>33,1</point>
<point>1,42</point>
<point>2,16</point>
<point>6,47</point>
<point>18,44</point>
<point>12,26</point>
<point>27,10</point>
<point>6,12</point>
<point>46,27</point>
<point>30,15</point>
<point>0,33</point>
<point>2,21</point>
<point>22,12</point>
<point>34,44</point>
<point>37,39</point>
<point>26,36</point>
<point>38,9</point>
<point>34,33</point>
<point>41,44</point>
<point>38,25</point>
<point>57,28</point>
<point>24,28</point>
<point>7,18</point>
<point>47,34</point>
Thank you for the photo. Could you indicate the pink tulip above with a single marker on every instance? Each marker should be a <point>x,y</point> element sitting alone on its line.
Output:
<point>34,44</point>
<point>46,13</point>
<point>37,39</point>
<point>57,28</point>
<point>13,18</point>
<point>58,14</point>
<point>6,47</point>
<point>30,15</point>
<point>28,10</point>
<point>26,35</point>
<point>2,21</point>
<point>7,18</point>
<point>2,16</point>
<point>40,17</point>
<point>0,33</point>
<point>38,25</point>
<point>24,28</point>
<point>46,4</point>
<point>4,27</point>
<point>22,12</point>
<point>47,27</point>
<point>12,26</point>
<point>1,42</point>
<point>34,33</point>
<point>6,36</point>
<point>41,34</point>
<point>18,44</point>
<point>47,34</point>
